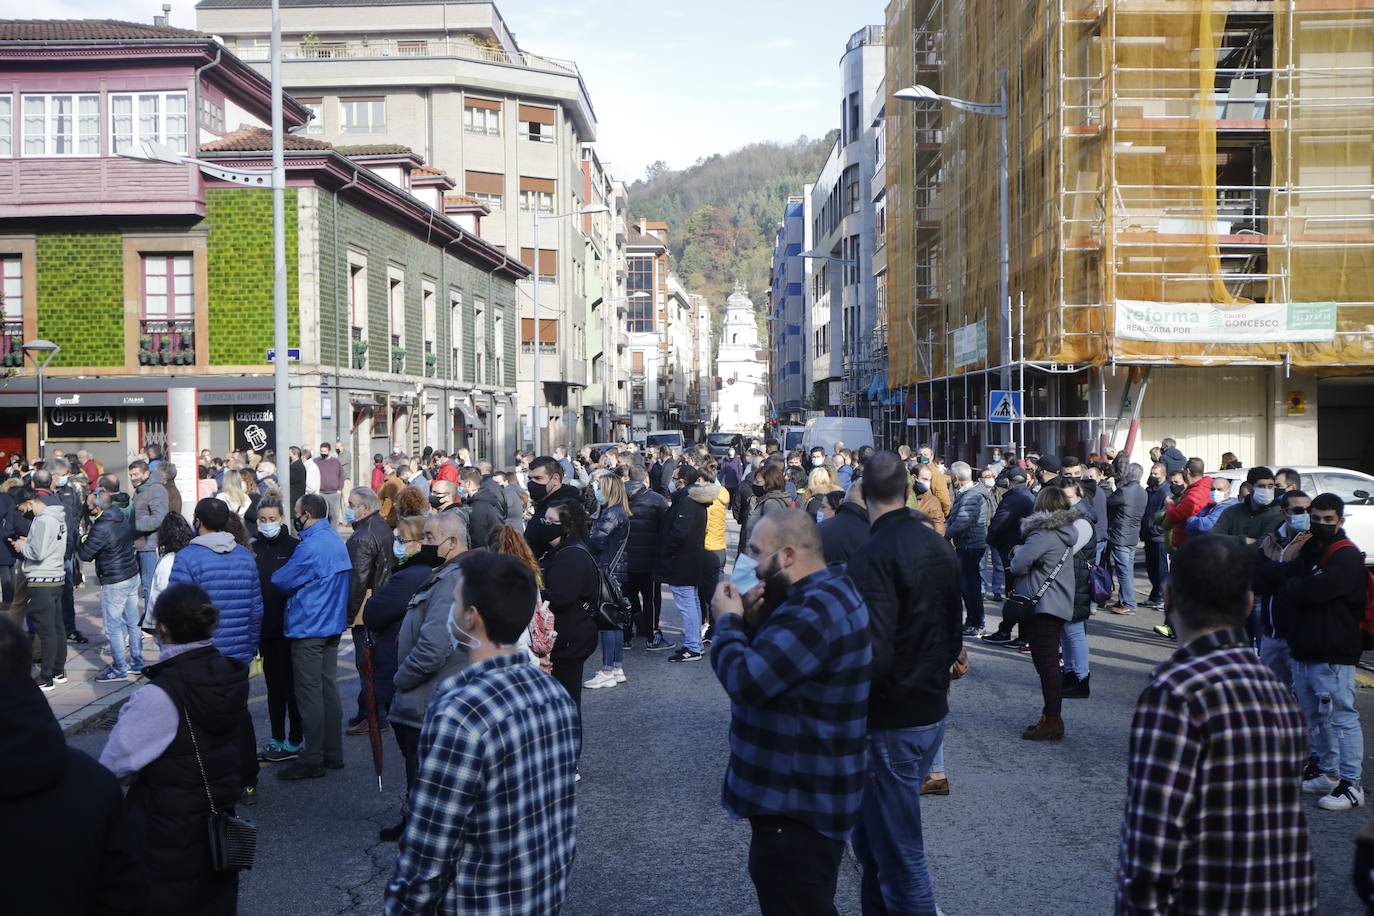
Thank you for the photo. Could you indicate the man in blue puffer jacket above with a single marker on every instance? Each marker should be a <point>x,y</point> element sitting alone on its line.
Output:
<point>229,574</point>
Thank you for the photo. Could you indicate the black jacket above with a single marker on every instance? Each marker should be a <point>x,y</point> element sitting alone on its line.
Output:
<point>909,577</point>
<point>110,543</point>
<point>1095,499</point>
<point>369,549</point>
<point>167,804</point>
<point>8,513</point>
<point>1004,531</point>
<point>296,478</point>
<point>646,521</point>
<point>488,512</point>
<point>537,534</point>
<point>572,583</point>
<point>64,840</point>
<point>1318,610</point>
<point>1125,511</point>
<point>844,535</point>
<point>71,501</point>
<point>271,555</point>
<point>1150,528</point>
<point>383,615</point>
<point>682,545</point>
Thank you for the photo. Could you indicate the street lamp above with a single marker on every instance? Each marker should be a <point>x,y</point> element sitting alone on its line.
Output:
<point>37,348</point>
<point>153,151</point>
<point>538,392</point>
<point>999,111</point>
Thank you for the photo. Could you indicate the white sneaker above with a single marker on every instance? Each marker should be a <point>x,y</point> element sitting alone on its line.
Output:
<point>619,674</point>
<point>1321,784</point>
<point>602,679</point>
<point>1345,796</point>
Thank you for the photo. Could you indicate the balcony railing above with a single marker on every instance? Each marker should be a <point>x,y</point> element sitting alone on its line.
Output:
<point>12,344</point>
<point>324,49</point>
<point>165,342</point>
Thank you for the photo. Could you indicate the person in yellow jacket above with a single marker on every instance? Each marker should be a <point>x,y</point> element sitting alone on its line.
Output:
<point>716,499</point>
<point>939,480</point>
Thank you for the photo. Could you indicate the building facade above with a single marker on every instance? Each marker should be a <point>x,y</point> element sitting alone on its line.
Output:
<point>1191,234</point>
<point>449,81</point>
<point>789,359</point>
<point>743,369</point>
<point>151,276</point>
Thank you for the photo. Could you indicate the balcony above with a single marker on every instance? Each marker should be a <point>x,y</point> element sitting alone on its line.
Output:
<point>325,49</point>
<point>12,344</point>
<point>164,342</point>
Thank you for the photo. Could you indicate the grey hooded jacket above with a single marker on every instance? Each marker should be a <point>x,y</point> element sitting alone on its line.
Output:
<point>425,649</point>
<point>1048,535</point>
<point>46,547</point>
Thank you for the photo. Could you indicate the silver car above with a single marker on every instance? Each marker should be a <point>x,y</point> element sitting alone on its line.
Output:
<point>1354,487</point>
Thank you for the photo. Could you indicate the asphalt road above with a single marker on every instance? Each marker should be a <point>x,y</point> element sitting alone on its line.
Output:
<point>1029,828</point>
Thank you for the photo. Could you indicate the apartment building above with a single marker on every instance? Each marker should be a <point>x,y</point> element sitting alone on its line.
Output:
<point>152,276</point>
<point>449,81</point>
<point>1191,226</point>
<point>603,402</point>
<point>789,362</point>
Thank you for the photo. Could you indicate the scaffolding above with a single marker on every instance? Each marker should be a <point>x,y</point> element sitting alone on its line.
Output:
<point>1192,183</point>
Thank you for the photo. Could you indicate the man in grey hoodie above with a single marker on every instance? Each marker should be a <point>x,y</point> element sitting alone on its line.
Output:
<point>43,554</point>
<point>148,509</point>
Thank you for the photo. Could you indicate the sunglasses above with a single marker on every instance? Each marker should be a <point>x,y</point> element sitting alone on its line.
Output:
<point>1297,510</point>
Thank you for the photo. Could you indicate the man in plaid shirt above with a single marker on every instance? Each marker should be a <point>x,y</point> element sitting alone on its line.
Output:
<point>1214,819</point>
<point>492,819</point>
<point>796,667</point>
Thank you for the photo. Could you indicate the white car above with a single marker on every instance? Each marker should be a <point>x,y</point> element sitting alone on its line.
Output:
<point>1354,487</point>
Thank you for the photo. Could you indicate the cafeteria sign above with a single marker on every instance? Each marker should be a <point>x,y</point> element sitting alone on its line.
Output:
<point>1244,323</point>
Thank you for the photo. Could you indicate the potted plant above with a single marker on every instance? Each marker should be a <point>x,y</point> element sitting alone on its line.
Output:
<point>431,363</point>
<point>398,360</point>
<point>359,354</point>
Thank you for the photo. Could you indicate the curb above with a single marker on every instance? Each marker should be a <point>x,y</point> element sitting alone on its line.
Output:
<point>98,708</point>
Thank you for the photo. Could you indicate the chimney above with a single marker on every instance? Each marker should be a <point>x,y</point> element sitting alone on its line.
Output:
<point>166,16</point>
<point>643,226</point>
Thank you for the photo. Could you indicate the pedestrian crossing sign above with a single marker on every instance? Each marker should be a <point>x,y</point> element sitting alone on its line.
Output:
<point>1004,406</point>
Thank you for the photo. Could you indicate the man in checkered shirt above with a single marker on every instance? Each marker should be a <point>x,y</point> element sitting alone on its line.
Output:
<point>1214,817</point>
<point>492,819</point>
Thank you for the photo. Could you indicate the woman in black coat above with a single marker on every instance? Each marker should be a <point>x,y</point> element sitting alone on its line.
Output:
<point>272,547</point>
<point>572,586</point>
<point>384,611</point>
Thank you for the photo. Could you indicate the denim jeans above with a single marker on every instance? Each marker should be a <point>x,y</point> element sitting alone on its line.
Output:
<point>119,608</point>
<point>612,649</point>
<point>1274,653</point>
<point>1123,565</point>
<point>1157,568</point>
<point>937,764</point>
<point>147,565</point>
<point>689,606</point>
<point>1326,694</point>
<point>971,585</point>
<point>887,838</point>
<point>1074,645</point>
<point>993,580</point>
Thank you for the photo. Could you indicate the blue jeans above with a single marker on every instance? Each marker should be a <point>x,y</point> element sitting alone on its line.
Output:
<point>992,571</point>
<point>937,765</point>
<point>689,606</point>
<point>1326,694</point>
<point>971,585</point>
<point>1274,653</point>
<point>1123,565</point>
<point>612,649</point>
<point>887,839</point>
<point>1074,645</point>
<point>119,607</point>
<point>147,565</point>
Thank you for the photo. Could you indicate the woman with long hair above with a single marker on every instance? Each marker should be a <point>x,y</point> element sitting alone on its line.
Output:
<point>607,541</point>
<point>232,494</point>
<point>572,586</point>
<point>820,482</point>
<point>1043,567</point>
<point>254,494</point>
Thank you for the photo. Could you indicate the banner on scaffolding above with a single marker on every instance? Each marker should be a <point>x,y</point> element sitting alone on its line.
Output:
<point>971,344</point>
<point>1203,322</point>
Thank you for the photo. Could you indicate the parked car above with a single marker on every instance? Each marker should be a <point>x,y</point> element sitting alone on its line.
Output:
<point>854,432</point>
<point>1354,487</point>
<point>719,444</point>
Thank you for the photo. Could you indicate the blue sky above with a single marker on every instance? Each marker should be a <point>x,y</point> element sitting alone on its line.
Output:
<point>670,80</point>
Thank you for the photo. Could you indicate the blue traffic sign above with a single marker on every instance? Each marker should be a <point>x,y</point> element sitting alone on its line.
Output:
<point>293,354</point>
<point>1004,406</point>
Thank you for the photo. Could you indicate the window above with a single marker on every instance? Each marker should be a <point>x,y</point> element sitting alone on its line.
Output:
<point>548,263</point>
<point>254,48</point>
<point>536,200</point>
<point>1346,486</point>
<point>156,116</point>
<point>498,351</point>
<point>479,340</point>
<point>852,203</point>
<point>211,114</point>
<point>169,310</point>
<point>357,309</point>
<point>548,336</point>
<point>362,116</point>
<point>61,125</point>
<point>429,319</point>
<point>640,309</point>
<point>537,123</point>
<point>6,125</point>
<point>315,126</point>
<point>482,117</point>
<point>396,318</point>
<point>488,187</point>
<point>494,202</point>
<point>455,326</point>
<point>12,299</point>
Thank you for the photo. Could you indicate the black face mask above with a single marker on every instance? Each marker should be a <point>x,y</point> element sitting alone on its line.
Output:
<point>537,490</point>
<point>921,487</point>
<point>435,501</point>
<point>1178,489</point>
<point>300,521</point>
<point>1324,534</point>
<point>429,553</point>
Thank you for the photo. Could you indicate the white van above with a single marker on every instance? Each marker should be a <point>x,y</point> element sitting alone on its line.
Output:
<point>854,432</point>
<point>658,437</point>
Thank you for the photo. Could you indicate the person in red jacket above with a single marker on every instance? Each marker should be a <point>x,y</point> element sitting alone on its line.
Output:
<point>1192,493</point>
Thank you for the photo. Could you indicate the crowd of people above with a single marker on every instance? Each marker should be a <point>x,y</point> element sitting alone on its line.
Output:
<point>474,597</point>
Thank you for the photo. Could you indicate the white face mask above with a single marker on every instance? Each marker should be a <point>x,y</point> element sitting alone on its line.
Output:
<point>1262,497</point>
<point>269,529</point>
<point>457,636</point>
<point>1218,496</point>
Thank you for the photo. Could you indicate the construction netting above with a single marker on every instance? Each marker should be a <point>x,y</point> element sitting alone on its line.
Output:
<point>1191,181</point>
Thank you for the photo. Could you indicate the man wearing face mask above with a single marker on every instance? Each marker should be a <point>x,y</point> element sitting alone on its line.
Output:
<point>148,509</point>
<point>793,653</point>
<point>682,558</point>
<point>427,652</point>
<point>486,505</point>
<point>369,551</point>
<point>1152,534</point>
<point>922,497</point>
<point>1273,645</point>
<point>546,488</point>
<point>1257,516</point>
<point>74,505</point>
<point>1192,493</point>
<point>1320,607</point>
<point>317,579</point>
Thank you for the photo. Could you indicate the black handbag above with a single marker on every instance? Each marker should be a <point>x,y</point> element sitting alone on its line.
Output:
<point>611,611</point>
<point>233,840</point>
<point>1021,608</point>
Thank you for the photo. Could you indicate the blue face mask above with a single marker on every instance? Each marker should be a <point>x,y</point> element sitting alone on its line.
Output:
<point>399,550</point>
<point>350,516</point>
<point>600,497</point>
<point>1300,522</point>
<point>745,573</point>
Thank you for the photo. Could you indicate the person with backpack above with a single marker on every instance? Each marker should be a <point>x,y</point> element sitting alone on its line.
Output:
<point>1323,607</point>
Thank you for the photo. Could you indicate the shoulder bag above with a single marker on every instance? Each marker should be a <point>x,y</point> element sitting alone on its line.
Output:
<point>611,610</point>
<point>233,840</point>
<point>1020,608</point>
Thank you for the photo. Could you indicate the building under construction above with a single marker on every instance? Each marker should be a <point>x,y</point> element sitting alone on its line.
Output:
<point>1191,229</point>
